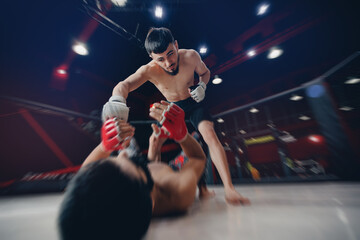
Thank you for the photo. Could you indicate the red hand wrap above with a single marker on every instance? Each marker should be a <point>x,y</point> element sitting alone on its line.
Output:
<point>110,135</point>
<point>163,133</point>
<point>174,123</point>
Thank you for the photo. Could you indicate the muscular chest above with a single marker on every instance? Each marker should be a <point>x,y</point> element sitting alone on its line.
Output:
<point>178,82</point>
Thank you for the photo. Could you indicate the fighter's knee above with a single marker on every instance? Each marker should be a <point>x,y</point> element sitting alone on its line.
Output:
<point>208,133</point>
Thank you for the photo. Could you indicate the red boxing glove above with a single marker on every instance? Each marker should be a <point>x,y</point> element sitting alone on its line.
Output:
<point>110,135</point>
<point>164,133</point>
<point>173,123</point>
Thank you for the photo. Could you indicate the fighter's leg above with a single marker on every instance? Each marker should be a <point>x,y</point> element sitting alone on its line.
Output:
<point>218,156</point>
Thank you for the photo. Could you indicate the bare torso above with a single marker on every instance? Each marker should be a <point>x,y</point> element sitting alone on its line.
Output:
<point>167,197</point>
<point>174,88</point>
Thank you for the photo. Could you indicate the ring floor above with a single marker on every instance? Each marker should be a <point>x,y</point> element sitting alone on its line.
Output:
<point>278,211</point>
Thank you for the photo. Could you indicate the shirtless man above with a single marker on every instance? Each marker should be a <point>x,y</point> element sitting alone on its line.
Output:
<point>115,197</point>
<point>172,72</point>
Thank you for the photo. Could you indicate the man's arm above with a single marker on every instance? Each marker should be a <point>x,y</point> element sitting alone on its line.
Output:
<point>198,92</point>
<point>155,144</point>
<point>200,68</point>
<point>196,156</point>
<point>131,83</point>
<point>115,134</point>
<point>172,118</point>
<point>96,154</point>
<point>116,106</point>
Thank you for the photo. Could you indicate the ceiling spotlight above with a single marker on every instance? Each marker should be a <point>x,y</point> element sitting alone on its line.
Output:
<point>304,118</point>
<point>251,53</point>
<point>158,12</point>
<point>220,120</point>
<point>295,97</point>
<point>316,138</point>
<point>80,49</point>
<point>242,131</point>
<point>61,72</point>
<point>203,50</point>
<point>217,80</point>
<point>119,3</point>
<point>253,110</point>
<point>274,53</point>
<point>352,81</point>
<point>262,9</point>
<point>346,108</point>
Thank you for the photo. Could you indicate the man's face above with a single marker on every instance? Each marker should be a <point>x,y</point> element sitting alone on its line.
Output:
<point>168,60</point>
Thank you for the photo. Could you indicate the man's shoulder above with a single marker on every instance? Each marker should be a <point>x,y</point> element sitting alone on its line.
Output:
<point>187,52</point>
<point>148,68</point>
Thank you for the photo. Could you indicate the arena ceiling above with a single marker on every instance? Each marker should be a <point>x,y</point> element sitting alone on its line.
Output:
<point>37,38</point>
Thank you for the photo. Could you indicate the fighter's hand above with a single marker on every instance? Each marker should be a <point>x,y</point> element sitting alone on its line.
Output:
<point>116,135</point>
<point>158,137</point>
<point>172,119</point>
<point>198,92</point>
<point>115,107</point>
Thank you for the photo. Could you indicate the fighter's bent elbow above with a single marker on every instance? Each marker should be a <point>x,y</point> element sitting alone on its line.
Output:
<point>122,89</point>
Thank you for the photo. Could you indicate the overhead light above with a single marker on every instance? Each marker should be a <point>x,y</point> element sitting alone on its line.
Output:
<point>80,49</point>
<point>274,53</point>
<point>287,138</point>
<point>314,138</point>
<point>295,97</point>
<point>352,81</point>
<point>262,9</point>
<point>220,120</point>
<point>203,50</point>
<point>304,118</point>
<point>251,53</point>
<point>222,133</point>
<point>119,3</point>
<point>217,80</point>
<point>253,110</point>
<point>158,12</point>
<point>346,108</point>
<point>61,71</point>
<point>242,131</point>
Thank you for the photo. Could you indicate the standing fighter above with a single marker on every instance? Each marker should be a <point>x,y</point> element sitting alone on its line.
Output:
<point>172,70</point>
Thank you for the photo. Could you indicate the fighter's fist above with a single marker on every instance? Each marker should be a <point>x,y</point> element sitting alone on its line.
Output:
<point>115,107</point>
<point>171,117</point>
<point>198,92</point>
<point>115,134</point>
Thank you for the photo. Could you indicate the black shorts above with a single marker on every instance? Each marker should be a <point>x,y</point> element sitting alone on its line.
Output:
<point>195,112</point>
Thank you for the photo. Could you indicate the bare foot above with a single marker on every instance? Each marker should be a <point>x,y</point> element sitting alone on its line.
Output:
<point>234,198</point>
<point>204,192</point>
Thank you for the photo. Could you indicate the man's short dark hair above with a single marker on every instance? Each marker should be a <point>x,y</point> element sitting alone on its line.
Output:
<point>103,202</point>
<point>158,39</point>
